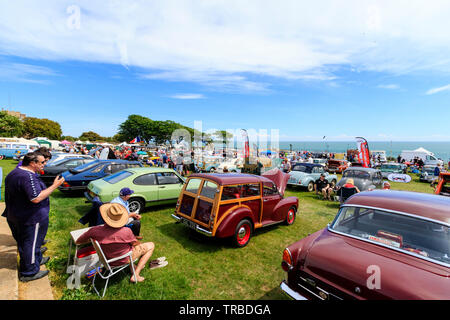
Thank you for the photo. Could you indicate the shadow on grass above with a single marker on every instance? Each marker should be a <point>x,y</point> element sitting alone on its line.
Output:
<point>192,240</point>
<point>64,194</point>
<point>274,294</point>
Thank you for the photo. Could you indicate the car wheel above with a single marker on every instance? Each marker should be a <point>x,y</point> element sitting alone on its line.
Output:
<point>310,186</point>
<point>212,169</point>
<point>243,233</point>
<point>135,204</point>
<point>290,217</point>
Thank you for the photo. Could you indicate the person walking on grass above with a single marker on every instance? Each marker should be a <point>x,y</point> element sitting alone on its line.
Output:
<point>27,213</point>
<point>116,240</point>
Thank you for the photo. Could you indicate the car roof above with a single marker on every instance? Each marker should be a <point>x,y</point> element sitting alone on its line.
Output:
<point>148,169</point>
<point>231,178</point>
<point>425,205</point>
<point>116,161</point>
<point>362,169</point>
<point>307,164</point>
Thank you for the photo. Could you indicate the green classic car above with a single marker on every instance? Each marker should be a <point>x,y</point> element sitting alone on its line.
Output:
<point>151,186</point>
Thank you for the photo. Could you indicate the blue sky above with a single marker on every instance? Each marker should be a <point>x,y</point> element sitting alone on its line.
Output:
<point>338,69</point>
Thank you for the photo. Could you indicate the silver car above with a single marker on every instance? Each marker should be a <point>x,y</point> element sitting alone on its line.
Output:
<point>427,174</point>
<point>364,178</point>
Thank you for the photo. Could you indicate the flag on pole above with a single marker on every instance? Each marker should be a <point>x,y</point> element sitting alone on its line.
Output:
<point>363,152</point>
<point>136,140</point>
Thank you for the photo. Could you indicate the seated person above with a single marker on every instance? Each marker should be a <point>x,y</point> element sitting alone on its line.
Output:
<point>115,240</point>
<point>322,185</point>
<point>134,222</point>
<point>347,190</point>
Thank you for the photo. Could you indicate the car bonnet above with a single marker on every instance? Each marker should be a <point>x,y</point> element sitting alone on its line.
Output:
<point>278,177</point>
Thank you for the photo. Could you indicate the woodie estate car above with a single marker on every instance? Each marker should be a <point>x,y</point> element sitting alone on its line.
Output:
<point>152,186</point>
<point>234,205</point>
<point>382,244</point>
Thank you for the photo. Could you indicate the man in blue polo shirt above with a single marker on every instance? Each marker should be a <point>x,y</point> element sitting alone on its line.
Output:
<point>27,207</point>
<point>134,222</point>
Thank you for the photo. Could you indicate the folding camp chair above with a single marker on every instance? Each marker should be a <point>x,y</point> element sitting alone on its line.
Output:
<point>345,193</point>
<point>109,271</point>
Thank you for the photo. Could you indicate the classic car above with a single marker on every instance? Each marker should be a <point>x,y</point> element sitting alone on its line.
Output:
<point>77,179</point>
<point>60,166</point>
<point>208,163</point>
<point>364,178</point>
<point>56,156</point>
<point>382,244</point>
<point>233,205</point>
<point>151,186</point>
<point>321,161</point>
<point>337,166</point>
<point>443,185</point>
<point>427,173</point>
<point>305,174</point>
<point>233,165</point>
<point>391,167</point>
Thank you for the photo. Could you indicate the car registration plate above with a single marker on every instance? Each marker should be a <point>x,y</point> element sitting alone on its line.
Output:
<point>189,223</point>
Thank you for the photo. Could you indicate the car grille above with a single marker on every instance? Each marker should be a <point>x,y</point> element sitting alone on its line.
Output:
<point>317,288</point>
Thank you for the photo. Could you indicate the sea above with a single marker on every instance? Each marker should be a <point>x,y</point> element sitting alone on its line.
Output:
<point>441,149</point>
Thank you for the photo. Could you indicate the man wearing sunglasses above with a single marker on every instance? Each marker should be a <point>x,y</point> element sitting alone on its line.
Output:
<point>27,208</point>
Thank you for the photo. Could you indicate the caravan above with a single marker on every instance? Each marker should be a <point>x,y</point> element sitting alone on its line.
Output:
<point>427,157</point>
<point>14,147</point>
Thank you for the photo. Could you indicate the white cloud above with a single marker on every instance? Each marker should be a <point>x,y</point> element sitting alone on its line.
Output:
<point>21,72</point>
<point>389,86</point>
<point>188,96</point>
<point>231,45</point>
<point>436,90</point>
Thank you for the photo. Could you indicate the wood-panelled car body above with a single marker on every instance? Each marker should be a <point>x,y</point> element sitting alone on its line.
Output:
<point>234,205</point>
<point>383,244</point>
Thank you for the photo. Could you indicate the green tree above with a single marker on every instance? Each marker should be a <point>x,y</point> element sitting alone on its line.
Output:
<point>68,138</point>
<point>36,127</point>
<point>10,126</point>
<point>134,126</point>
<point>91,136</point>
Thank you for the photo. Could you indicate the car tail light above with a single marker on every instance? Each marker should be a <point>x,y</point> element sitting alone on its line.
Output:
<point>299,181</point>
<point>65,184</point>
<point>286,264</point>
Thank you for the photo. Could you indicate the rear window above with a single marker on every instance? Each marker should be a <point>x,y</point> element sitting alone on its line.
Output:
<point>193,185</point>
<point>301,168</point>
<point>85,167</point>
<point>411,235</point>
<point>116,177</point>
<point>356,174</point>
<point>209,189</point>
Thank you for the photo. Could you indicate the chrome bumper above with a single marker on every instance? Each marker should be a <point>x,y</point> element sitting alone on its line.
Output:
<point>291,293</point>
<point>197,227</point>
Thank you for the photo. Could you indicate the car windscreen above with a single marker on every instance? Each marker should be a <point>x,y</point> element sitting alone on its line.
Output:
<point>57,162</point>
<point>301,168</point>
<point>416,236</point>
<point>390,166</point>
<point>356,174</point>
<point>118,176</point>
<point>85,167</point>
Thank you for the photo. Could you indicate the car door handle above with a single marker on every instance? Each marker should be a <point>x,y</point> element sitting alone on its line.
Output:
<point>162,187</point>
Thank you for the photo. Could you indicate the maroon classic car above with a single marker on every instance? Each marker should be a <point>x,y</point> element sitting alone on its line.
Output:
<point>234,205</point>
<point>382,244</point>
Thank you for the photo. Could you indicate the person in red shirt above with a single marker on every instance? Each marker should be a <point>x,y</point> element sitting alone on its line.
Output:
<point>116,240</point>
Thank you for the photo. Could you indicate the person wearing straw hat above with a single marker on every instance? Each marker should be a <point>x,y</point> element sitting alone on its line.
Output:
<point>117,240</point>
<point>134,222</point>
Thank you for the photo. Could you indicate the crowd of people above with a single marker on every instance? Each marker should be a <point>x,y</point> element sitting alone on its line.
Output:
<point>117,229</point>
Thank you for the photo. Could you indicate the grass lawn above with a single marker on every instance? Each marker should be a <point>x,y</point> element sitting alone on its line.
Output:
<point>200,268</point>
